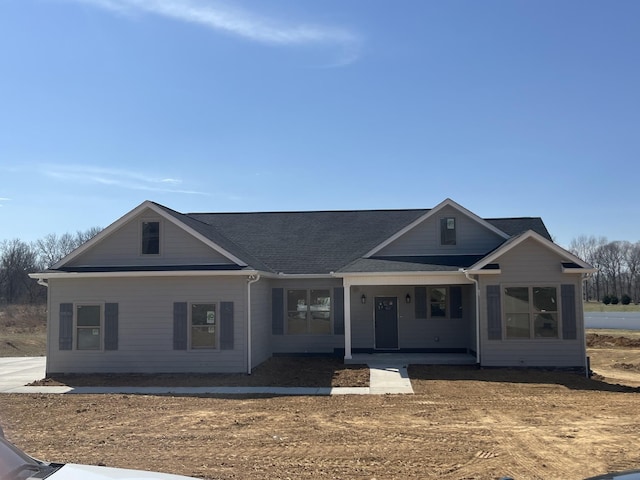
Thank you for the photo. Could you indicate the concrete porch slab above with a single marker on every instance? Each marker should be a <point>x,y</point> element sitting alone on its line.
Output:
<point>412,359</point>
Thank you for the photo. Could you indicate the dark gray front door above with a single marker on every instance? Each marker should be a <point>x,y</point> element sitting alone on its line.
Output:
<point>386,319</point>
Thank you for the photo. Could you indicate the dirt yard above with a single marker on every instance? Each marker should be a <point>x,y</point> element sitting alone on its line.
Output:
<point>462,423</point>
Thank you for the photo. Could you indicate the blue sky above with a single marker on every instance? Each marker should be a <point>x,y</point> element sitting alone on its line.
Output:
<point>510,108</point>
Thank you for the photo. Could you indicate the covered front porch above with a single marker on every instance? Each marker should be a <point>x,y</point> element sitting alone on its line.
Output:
<point>410,318</point>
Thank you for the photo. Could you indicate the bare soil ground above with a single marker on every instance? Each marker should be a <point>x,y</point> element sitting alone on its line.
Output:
<point>615,355</point>
<point>462,423</point>
<point>277,371</point>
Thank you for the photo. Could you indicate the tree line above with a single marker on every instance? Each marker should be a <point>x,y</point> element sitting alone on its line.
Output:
<point>618,264</point>
<point>18,259</point>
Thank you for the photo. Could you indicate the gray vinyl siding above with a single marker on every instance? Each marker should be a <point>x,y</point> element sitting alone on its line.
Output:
<point>531,264</point>
<point>145,324</point>
<point>284,344</point>
<point>424,239</point>
<point>122,247</point>
<point>413,333</point>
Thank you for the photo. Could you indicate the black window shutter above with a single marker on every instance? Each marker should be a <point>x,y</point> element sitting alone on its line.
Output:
<point>338,311</point>
<point>569,318</point>
<point>65,336</point>
<point>494,314</point>
<point>420,302</point>
<point>277,311</point>
<point>226,325</point>
<point>455,302</point>
<point>180,326</point>
<point>110,326</point>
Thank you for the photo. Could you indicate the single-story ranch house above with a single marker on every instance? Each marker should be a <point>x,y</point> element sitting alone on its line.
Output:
<point>162,291</point>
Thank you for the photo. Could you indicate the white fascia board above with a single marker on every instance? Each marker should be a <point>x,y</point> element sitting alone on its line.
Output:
<point>309,276</point>
<point>383,274</point>
<point>446,203</point>
<point>408,278</point>
<point>529,234</point>
<point>579,270</point>
<point>130,216</point>
<point>139,274</point>
<point>493,271</point>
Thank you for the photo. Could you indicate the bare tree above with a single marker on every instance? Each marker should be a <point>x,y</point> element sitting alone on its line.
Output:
<point>83,237</point>
<point>52,248</point>
<point>17,260</point>
<point>588,249</point>
<point>632,260</point>
<point>611,262</point>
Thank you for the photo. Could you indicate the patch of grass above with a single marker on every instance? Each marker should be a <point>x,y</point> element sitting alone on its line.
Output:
<point>23,330</point>
<point>601,307</point>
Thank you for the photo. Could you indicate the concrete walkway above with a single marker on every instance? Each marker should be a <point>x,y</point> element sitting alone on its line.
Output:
<point>16,372</point>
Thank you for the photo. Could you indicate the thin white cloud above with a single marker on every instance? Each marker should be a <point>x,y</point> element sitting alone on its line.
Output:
<point>114,177</point>
<point>242,23</point>
<point>173,181</point>
<point>3,199</point>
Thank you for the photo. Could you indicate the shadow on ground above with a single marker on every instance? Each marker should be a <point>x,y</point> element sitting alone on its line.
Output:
<point>571,380</point>
<point>275,372</point>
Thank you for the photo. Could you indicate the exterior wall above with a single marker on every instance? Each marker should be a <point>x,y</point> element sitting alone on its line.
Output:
<point>122,247</point>
<point>531,264</point>
<point>145,324</point>
<point>413,333</point>
<point>307,343</point>
<point>260,322</point>
<point>424,239</point>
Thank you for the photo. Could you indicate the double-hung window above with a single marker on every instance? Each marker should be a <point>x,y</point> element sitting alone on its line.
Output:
<point>204,326</point>
<point>531,312</point>
<point>308,312</point>
<point>88,327</point>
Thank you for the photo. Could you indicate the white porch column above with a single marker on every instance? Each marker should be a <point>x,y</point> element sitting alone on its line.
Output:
<point>347,319</point>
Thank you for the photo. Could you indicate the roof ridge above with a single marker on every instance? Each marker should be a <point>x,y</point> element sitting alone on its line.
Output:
<point>313,211</point>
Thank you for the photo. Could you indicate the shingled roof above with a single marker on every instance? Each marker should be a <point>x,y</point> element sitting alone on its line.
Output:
<point>321,242</point>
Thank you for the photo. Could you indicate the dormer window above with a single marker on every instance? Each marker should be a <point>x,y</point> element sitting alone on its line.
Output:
<point>150,238</point>
<point>448,231</point>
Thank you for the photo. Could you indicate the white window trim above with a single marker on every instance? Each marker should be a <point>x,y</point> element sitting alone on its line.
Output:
<point>160,233</point>
<point>532,337</point>
<point>75,326</point>
<point>190,323</point>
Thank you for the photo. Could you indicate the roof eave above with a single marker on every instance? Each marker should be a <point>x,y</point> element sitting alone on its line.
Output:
<point>493,271</point>
<point>420,273</point>
<point>588,271</point>
<point>139,274</point>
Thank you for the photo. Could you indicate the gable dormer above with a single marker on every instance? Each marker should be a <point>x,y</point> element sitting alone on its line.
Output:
<point>447,229</point>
